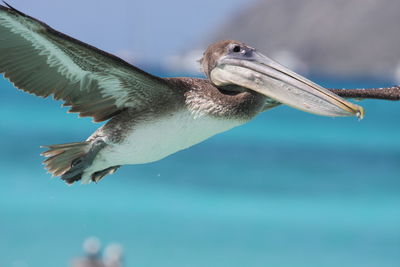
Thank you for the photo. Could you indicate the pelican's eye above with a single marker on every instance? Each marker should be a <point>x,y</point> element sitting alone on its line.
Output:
<point>236,48</point>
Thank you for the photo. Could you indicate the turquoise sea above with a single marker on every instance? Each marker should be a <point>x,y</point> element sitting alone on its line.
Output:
<point>288,189</point>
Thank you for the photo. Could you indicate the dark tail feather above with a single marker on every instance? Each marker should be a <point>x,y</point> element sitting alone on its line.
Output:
<point>61,158</point>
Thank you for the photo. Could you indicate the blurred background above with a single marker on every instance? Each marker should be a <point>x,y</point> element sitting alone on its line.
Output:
<point>287,189</point>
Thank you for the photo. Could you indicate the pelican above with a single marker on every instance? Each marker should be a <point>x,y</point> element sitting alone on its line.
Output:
<point>148,117</point>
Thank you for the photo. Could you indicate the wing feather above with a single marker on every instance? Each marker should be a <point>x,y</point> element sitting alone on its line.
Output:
<point>44,62</point>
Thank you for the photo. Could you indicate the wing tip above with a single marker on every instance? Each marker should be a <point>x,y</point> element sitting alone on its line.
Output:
<point>10,8</point>
<point>5,8</point>
<point>7,4</point>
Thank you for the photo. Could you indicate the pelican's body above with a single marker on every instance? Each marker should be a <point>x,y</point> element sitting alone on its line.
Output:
<point>148,117</point>
<point>156,137</point>
<point>164,129</point>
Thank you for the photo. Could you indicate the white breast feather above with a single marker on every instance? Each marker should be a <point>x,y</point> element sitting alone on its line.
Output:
<point>154,140</point>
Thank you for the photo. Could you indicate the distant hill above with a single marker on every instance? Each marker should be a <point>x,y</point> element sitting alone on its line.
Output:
<point>343,38</point>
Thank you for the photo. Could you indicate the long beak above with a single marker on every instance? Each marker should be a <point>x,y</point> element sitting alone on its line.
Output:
<point>265,76</point>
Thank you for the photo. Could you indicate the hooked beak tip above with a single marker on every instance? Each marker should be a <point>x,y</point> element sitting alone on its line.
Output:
<point>360,113</point>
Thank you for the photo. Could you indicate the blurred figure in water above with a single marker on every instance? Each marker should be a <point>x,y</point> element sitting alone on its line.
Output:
<point>93,258</point>
<point>113,255</point>
<point>92,247</point>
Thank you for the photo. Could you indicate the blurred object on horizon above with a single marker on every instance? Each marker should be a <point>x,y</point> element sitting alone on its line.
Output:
<point>93,256</point>
<point>342,39</point>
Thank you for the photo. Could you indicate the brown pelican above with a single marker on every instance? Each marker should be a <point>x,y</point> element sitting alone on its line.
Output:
<point>149,118</point>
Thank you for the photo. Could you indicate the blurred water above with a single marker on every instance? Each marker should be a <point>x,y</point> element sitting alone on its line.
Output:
<point>287,189</point>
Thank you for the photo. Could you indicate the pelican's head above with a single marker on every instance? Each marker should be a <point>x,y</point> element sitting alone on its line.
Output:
<point>234,63</point>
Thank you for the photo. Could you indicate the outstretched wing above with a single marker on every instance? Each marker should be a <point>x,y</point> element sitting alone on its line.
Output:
<point>43,61</point>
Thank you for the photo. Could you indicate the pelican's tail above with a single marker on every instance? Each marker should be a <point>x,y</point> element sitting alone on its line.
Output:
<point>70,161</point>
<point>63,158</point>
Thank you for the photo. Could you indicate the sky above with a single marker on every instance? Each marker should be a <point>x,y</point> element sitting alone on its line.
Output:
<point>148,30</point>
